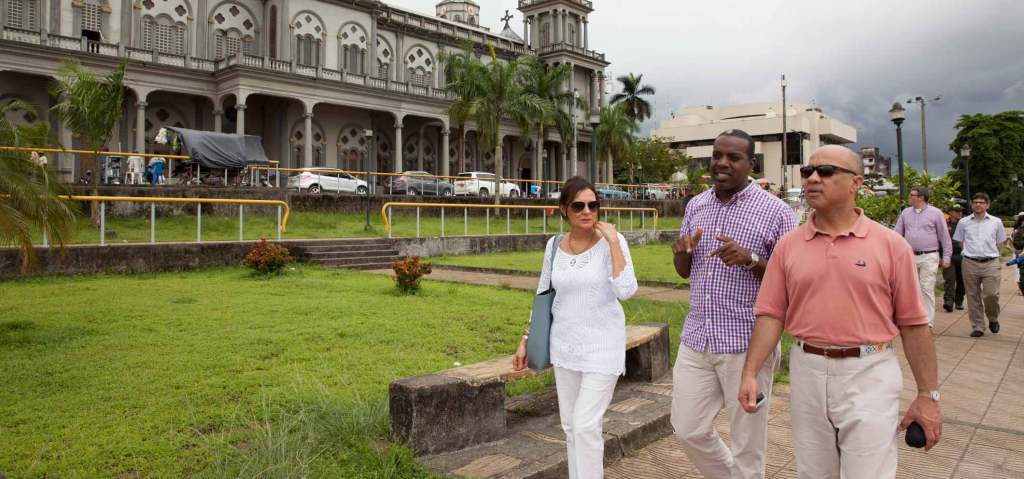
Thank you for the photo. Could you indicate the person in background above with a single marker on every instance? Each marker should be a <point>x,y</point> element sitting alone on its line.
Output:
<point>591,272</point>
<point>1017,238</point>
<point>981,234</point>
<point>952,277</point>
<point>924,227</point>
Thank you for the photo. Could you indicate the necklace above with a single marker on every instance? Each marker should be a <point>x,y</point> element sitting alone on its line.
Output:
<point>572,261</point>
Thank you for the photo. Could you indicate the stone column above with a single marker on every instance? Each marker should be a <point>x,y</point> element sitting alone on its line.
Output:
<point>372,69</point>
<point>565,26</point>
<point>526,31</point>
<point>535,31</point>
<point>565,162</point>
<point>399,57</point>
<point>600,90</point>
<point>593,92</point>
<point>586,33</point>
<point>570,169</point>
<point>307,151</point>
<point>419,148</point>
<point>140,127</point>
<point>556,31</point>
<point>399,146</point>
<point>240,119</point>
<point>218,120</point>
<point>445,156</point>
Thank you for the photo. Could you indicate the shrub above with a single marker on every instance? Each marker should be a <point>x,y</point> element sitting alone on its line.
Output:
<point>408,273</point>
<point>267,258</point>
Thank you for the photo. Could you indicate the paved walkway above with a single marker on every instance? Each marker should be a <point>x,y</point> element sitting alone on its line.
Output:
<point>982,383</point>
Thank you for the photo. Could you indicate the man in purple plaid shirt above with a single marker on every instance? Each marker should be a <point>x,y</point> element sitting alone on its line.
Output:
<point>728,234</point>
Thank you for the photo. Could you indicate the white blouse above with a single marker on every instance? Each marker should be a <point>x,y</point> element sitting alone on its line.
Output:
<point>588,332</point>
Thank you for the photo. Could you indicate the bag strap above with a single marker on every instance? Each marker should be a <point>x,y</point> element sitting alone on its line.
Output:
<point>551,259</point>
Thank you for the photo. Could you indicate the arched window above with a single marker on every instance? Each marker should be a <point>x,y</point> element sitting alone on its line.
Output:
<point>163,35</point>
<point>273,31</point>
<point>307,50</point>
<point>458,18</point>
<point>234,30</point>
<point>91,23</point>
<point>231,42</point>
<point>421,67</point>
<point>309,36</point>
<point>351,148</point>
<point>545,34</point>
<point>23,14</point>
<point>384,58</point>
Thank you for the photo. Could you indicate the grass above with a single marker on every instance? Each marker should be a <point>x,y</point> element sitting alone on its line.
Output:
<point>219,374</point>
<point>652,262</point>
<point>317,225</point>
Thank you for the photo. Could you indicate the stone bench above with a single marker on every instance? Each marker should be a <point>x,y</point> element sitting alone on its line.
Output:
<point>457,408</point>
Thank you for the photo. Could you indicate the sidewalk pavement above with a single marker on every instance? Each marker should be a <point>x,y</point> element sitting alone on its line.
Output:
<point>981,379</point>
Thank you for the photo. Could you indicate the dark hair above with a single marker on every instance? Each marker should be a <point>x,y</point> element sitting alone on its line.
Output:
<point>981,196</point>
<point>735,133</point>
<point>572,187</point>
<point>922,191</point>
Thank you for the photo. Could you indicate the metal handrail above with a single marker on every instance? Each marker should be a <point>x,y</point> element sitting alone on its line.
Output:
<point>282,221</point>
<point>91,152</point>
<point>391,204</point>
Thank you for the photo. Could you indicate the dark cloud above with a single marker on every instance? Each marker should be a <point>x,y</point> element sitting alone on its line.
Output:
<point>852,59</point>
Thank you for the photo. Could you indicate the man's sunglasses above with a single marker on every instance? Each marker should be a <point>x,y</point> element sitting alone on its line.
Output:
<point>577,206</point>
<point>824,171</point>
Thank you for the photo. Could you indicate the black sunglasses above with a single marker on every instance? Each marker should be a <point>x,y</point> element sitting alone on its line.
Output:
<point>824,171</point>
<point>577,206</point>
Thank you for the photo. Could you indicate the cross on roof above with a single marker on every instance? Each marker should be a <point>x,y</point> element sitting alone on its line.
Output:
<point>506,18</point>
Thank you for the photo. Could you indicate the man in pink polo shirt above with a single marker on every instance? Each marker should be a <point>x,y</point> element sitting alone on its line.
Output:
<point>844,287</point>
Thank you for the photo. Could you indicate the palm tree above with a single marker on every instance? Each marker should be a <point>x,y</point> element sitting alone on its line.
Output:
<point>615,134</point>
<point>464,72</point>
<point>548,84</point>
<point>90,107</point>
<point>637,108</point>
<point>502,98</point>
<point>30,195</point>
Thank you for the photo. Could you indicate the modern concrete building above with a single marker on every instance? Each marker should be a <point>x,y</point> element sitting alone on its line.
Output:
<point>694,130</point>
<point>308,76</point>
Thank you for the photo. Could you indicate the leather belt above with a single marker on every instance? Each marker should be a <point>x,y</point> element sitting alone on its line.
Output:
<point>919,253</point>
<point>979,260</point>
<point>843,352</point>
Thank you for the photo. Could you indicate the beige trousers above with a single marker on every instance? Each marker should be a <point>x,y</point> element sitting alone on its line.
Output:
<point>845,415</point>
<point>702,383</point>
<point>981,282</point>
<point>927,267</point>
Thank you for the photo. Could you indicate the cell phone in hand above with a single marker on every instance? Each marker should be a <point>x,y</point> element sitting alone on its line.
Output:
<point>761,399</point>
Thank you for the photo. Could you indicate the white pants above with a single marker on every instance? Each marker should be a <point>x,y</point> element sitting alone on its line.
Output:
<point>583,399</point>
<point>927,267</point>
<point>702,383</point>
<point>845,415</point>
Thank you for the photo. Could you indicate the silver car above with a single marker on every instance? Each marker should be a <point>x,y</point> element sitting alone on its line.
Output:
<point>318,180</point>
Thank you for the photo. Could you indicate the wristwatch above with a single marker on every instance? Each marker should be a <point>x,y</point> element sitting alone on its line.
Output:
<point>754,259</point>
<point>934,395</point>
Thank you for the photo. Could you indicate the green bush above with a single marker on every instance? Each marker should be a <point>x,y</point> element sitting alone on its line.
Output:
<point>267,258</point>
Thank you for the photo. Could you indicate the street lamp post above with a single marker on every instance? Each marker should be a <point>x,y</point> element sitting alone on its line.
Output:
<point>785,185</point>
<point>965,153</point>
<point>897,114</point>
<point>924,136</point>
<point>575,136</point>
<point>367,161</point>
<point>595,120</point>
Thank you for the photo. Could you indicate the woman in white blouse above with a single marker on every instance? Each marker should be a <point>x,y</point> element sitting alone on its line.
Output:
<point>592,271</point>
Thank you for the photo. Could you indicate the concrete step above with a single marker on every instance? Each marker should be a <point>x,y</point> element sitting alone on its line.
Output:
<point>350,262</point>
<point>313,245</point>
<point>328,255</point>
<point>362,266</point>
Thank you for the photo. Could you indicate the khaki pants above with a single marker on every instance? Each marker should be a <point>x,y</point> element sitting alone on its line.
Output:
<point>927,267</point>
<point>702,383</point>
<point>981,281</point>
<point>845,415</point>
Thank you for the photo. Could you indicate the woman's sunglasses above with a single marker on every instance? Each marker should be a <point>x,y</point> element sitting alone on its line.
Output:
<point>824,171</point>
<point>577,206</point>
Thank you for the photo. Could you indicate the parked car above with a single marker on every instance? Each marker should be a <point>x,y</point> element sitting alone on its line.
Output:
<point>655,192</point>
<point>611,193</point>
<point>479,183</point>
<point>315,181</point>
<point>421,183</point>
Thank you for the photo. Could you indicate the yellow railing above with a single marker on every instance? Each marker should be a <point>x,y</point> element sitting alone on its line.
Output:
<point>283,211</point>
<point>385,211</point>
<point>91,152</point>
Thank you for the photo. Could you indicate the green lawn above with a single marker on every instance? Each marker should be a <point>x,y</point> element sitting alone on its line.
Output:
<point>218,374</point>
<point>652,262</point>
<point>316,225</point>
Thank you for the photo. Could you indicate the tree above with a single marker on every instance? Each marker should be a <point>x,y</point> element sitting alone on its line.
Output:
<point>30,195</point>
<point>997,156</point>
<point>697,180</point>
<point>547,83</point>
<point>654,158</point>
<point>502,97</point>
<point>615,134</point>
<point>942,193</point>
<point>91,108</point>
<point>464,73</point>
<point>637,108</point>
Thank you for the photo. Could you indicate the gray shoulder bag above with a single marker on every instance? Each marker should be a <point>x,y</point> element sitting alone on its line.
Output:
<point>538,347</point>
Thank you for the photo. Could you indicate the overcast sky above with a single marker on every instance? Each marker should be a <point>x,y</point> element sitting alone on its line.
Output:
<point>853,59</point>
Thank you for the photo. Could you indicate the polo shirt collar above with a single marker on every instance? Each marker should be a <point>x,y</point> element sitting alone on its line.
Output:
<point>859,228</point>
<point>975,218</point>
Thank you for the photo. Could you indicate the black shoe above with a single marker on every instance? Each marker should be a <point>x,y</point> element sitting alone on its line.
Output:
<point>948,307</point>
<point>993,326</point>
<point>977,334</point>
<point>960,306</point>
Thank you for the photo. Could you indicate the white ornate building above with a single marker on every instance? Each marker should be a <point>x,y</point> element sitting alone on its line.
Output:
<point>308,76</point>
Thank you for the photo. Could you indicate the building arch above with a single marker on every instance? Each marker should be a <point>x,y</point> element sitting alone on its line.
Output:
<point>297,141</point>
<point>308,39</point>
<point>353,45</point>
<point>351,147</point>
<point>20,117</point>
<point>234,28</point>
<point>385,58</point>
<point>163,26</point>
<point>420,64</point>
<point>163,115</point>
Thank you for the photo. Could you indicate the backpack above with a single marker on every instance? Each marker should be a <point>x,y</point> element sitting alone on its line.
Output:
<point>1018,238</point>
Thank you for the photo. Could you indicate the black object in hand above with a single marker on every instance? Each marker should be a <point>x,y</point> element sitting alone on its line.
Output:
<point>915,435</point>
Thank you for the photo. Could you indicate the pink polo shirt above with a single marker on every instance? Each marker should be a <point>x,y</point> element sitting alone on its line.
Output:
<point>851,289</point>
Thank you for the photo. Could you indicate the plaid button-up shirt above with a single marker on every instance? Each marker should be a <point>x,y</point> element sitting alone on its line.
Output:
<point>722,298</point>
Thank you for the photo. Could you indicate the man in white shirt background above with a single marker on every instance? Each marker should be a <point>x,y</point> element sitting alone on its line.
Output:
<point>981,234</point>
